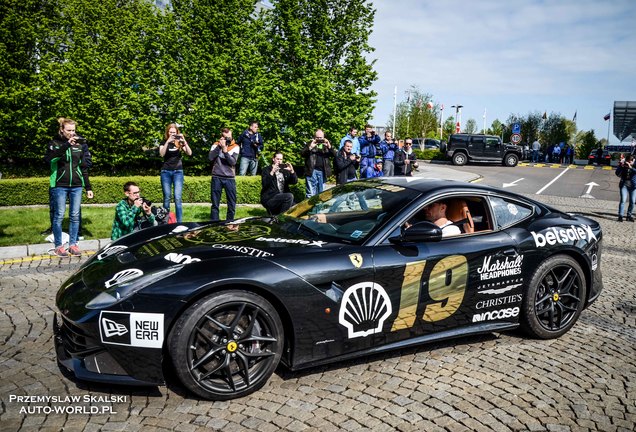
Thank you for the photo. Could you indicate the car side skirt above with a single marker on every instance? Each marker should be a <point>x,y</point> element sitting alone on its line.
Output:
<point>439,336</point>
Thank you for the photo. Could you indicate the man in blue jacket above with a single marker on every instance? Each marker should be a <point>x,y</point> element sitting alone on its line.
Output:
<point>251,145</point>
<point>389,146</point>
<point>369,149</point>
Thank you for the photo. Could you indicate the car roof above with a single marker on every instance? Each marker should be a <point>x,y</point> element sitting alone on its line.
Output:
<point>426,185</point>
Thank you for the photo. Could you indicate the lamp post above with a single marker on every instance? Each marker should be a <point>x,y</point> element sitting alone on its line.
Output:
<point>458,111</point>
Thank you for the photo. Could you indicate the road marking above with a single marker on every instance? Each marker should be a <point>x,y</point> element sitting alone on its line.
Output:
<point>548,185</point>
<point>505,185</point>
<point>589,189</point>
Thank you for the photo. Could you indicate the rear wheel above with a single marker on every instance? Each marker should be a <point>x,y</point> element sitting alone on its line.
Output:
<point>460,159</point>
<point>226,345</point>
<point>555,298</point>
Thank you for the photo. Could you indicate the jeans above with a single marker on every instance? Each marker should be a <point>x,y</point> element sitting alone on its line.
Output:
<point>279,203</point>
<point>216,188</point>
<point>625,194</point>
<point>246,164</point>
<point>314,184</point>
<point>60,194</point>
<point>168,178</point>
<point>535,156</point>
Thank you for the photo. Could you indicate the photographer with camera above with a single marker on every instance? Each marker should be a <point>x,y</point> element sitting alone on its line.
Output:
<point>172,169</point>
<point>276,196</point>
<point>317,165</point>
<point>69,175</point>
<point>347,164</point>
<point>627,187</point>
<point>369,149</point>
<point>223,155</point>
<point>251,144</point>
<point>388,147</point>
<point>132,213</point>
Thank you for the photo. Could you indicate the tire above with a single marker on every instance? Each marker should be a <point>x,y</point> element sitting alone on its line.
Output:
<point>555,298</point>
<point>460,159</point>
<point>226,345</point>
<point>511,160</point>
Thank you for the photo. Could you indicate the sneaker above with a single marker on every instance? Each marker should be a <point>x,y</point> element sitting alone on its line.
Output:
<point>74,250</point>
<point>620,218</point>
<point>60,251</point>
<point>630,218</point>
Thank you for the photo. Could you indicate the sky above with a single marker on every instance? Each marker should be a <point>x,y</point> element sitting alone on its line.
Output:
<point>507,57</point>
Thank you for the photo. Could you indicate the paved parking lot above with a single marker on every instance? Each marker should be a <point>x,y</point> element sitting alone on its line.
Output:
<point>585,380</point>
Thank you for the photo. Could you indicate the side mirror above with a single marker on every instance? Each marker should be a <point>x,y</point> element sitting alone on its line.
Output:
<point>419,232</point>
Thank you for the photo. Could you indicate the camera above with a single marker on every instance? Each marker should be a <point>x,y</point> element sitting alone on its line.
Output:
<point>80,139</point>
<point>146,201</point>
<point>320,140</point>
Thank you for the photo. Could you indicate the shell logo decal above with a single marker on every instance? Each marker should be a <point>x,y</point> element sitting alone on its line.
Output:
<point>364,308</point>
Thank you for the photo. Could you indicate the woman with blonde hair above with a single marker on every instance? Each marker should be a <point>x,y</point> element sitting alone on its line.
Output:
<point>69,176</point>
<point>172,169</point>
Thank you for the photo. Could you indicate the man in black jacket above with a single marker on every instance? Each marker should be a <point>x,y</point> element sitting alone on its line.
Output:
<point>347,164</point>
<point>405,160</point>
<point>317,153</point>
<point>275,180</point>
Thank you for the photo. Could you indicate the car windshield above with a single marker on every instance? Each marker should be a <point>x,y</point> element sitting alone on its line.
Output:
<point>348,212</point>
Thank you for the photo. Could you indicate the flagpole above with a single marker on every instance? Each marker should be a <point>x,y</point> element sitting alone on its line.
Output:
<point>484,121</point>
<point>441,123</point>
<point>609,120</point>
<point>394,109</point>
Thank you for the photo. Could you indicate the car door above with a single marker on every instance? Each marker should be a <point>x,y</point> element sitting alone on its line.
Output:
<point>440,286</point>
<point>476,147</point>
<point>493,149</point>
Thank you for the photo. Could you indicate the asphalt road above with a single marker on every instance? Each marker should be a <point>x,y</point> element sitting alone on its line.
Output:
<point>590,182</point>
<point>583,381</point>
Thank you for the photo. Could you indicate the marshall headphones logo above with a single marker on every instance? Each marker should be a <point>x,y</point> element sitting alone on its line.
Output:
<point>123,276</point>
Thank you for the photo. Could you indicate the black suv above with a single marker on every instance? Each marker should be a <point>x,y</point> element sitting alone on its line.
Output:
<point>462,148</point>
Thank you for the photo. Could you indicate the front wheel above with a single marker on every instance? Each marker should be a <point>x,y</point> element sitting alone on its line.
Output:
<point>555,298</point>
<point>511,160</point>
<point>226,345</point>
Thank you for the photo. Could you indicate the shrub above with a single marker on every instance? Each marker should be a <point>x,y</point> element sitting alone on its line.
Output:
<point>108,190</point>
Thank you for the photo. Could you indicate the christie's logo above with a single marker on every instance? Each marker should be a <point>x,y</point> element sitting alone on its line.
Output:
<point>563,235</point>
<point>500,268</point>
<point>496,314</point>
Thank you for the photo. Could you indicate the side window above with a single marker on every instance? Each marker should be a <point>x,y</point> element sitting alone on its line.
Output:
<point>492,143</point>
<point>508,212</point>
<point>459,139</point>
<point>477,141</point>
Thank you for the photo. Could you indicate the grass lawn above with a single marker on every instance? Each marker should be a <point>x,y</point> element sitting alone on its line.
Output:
<point>20,226</point>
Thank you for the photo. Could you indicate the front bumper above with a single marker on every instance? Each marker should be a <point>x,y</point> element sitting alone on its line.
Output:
<point>87,359</point>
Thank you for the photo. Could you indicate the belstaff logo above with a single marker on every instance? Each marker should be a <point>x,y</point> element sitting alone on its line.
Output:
<point>111,250</point>
<point>356,260</point>
<point>123,276</point>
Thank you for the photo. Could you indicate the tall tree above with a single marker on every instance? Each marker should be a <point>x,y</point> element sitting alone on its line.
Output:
<point>471,126</point>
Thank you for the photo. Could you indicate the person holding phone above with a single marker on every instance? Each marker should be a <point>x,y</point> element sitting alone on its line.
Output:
<point>317,153</point>
<point>69,175</point>
<point>172,169</point>
<point>276,196</point>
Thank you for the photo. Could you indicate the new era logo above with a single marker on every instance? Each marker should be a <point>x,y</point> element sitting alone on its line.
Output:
<point>111,328</point>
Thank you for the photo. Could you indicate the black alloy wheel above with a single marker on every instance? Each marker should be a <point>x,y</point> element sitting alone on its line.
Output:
<point>555,298</point>
<point>227,345</point>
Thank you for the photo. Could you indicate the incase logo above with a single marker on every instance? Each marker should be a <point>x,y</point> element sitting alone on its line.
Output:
<point>563,235</point>
<point>131,329</point>
<point>507,267</point>
<point>497,314</point>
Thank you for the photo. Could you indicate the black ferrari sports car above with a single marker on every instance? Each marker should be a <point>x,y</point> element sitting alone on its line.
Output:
<point>354,271</point>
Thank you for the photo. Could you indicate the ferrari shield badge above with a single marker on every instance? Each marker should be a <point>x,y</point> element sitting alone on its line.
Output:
<point>356,259</point>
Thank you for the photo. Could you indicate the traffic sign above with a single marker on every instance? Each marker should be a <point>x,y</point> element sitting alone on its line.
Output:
<point>515,138</point>
<point>516,128</point>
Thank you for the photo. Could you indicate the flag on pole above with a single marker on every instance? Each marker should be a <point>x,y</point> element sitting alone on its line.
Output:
<point>607,116</point>
<point>574,118</point>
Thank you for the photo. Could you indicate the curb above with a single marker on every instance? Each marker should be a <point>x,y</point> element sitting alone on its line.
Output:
<point>43,249</point>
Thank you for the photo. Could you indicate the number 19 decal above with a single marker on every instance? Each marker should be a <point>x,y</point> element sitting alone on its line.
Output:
<point>446,287</point>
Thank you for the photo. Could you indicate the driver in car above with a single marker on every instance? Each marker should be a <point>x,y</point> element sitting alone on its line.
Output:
<point>436,213</point>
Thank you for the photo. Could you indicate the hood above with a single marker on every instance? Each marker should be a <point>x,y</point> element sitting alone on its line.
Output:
<point>255,238</point>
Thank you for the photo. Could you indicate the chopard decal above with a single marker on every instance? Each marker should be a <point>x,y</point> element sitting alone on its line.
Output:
<point>563,235</point>
<point>180,258</point>
<point>499,301</point>
<point>500,268</point>
<point>131,329</point>
<point>364,308</point>
<point>496,314</point>
<point>294,241</point>
<point>123,276</point>
<point>244,250</point>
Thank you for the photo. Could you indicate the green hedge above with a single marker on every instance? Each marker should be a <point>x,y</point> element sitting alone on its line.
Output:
<point>30,191</point>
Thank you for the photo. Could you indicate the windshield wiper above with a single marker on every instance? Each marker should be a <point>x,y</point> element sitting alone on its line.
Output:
<point>308,228</point>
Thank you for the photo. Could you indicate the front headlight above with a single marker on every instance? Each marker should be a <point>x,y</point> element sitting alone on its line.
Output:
<point>121,291</point>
